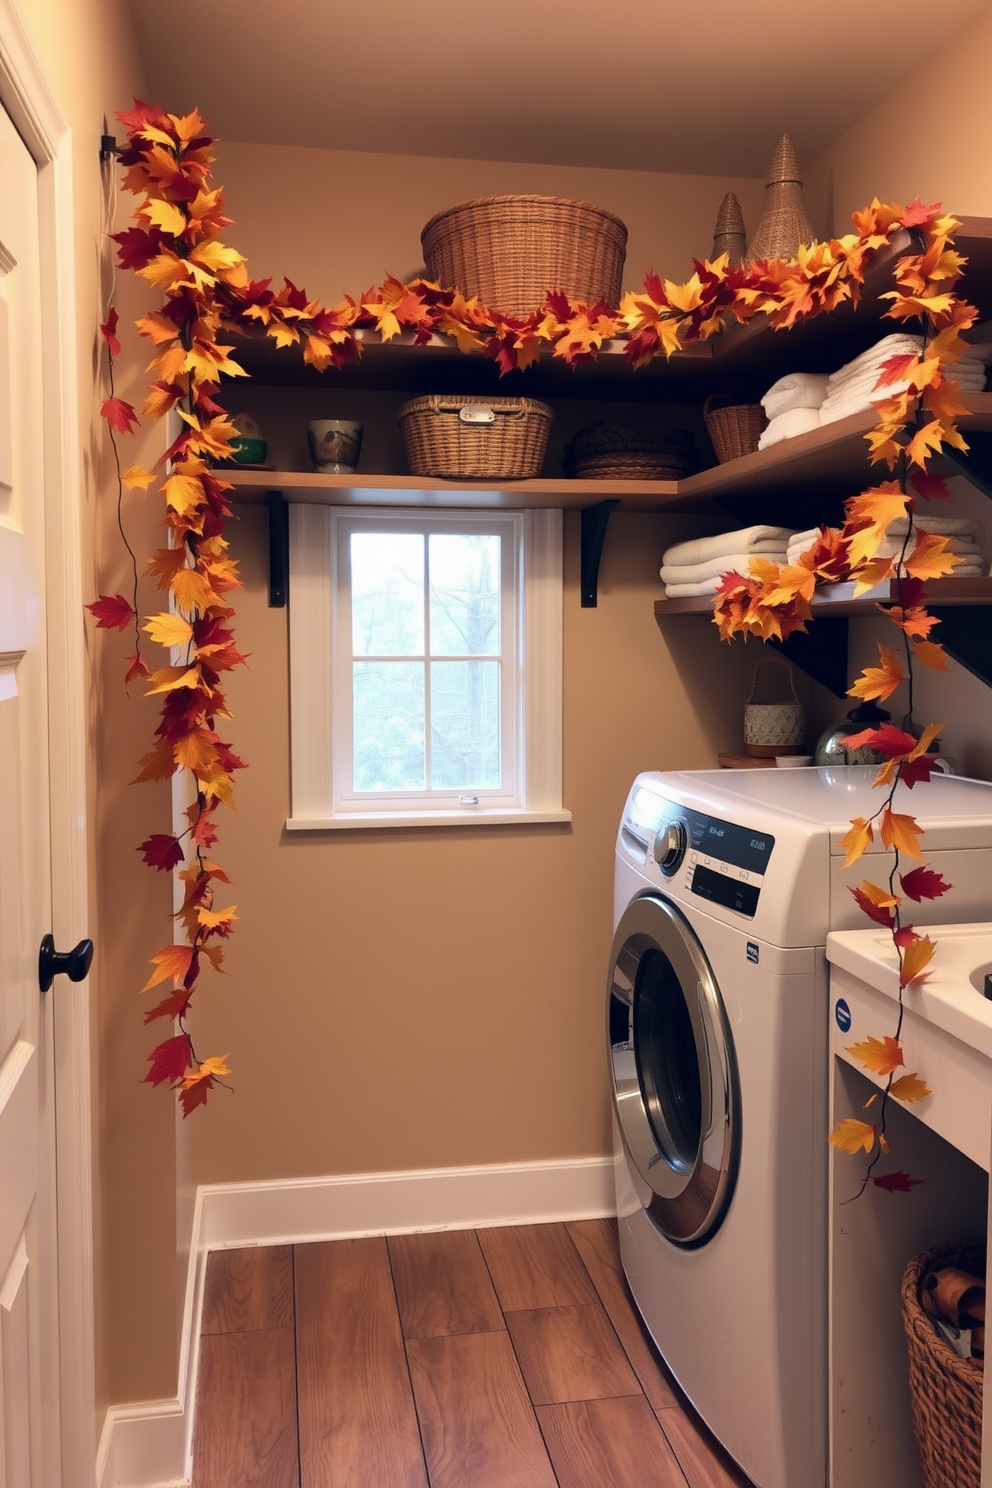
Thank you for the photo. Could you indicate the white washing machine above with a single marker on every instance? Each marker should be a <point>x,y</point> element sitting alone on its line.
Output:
<point>726,885</point>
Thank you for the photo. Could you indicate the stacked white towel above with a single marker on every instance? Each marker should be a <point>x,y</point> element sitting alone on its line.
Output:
<point>964,536</point>
<point>696,567</point>
<point>969,372</point>
<point>852,388</point>
<point>792,406</point>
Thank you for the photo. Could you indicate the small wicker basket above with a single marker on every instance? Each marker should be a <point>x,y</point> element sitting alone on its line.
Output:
<point>945,1390</point>
<point>734,428</point>
<point>475,438</point>
<point>510,250</point>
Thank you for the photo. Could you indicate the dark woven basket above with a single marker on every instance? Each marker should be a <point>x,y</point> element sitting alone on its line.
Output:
<point>510,250</point>
<point>946,1390</point>
<point>455,438</point>
<point>734,429</point>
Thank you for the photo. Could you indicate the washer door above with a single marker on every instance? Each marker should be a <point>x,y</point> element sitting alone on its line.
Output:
<point>675,1081</point>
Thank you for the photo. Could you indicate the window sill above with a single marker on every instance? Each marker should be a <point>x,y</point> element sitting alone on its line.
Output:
<point>486,817</point>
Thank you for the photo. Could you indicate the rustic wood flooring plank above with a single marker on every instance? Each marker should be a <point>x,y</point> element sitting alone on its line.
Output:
<point>597,1243</point>
<point>704,1463</point>
<point>443,1285</point>
<point>358,1426</point>
<point>535,1266</point>
<point>245,1423</point>
<point>595,1443</point>
<point>570,1353</point>
<point>248,1289</point>
<point>478,1425</point>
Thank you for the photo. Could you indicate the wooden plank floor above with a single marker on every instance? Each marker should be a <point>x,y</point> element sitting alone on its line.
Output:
<point>502,1358</point>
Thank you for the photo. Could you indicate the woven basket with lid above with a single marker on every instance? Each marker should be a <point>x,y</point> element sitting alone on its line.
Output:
<point>475,438</point>
<point>510,250</point>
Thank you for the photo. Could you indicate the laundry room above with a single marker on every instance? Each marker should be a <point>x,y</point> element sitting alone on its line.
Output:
<point>425,1021</point>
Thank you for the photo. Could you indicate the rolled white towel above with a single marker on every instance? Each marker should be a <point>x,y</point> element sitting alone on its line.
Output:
<point>797,390</point>
<point>712,568</point>
<point>788,425</point>
<point>755,539</point>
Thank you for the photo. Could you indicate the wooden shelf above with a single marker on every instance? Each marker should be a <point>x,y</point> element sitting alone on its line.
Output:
<point>838,599</point>
<point>832,457</point>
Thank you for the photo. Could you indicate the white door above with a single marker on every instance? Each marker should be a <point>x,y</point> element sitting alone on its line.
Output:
<point>29,1414</point>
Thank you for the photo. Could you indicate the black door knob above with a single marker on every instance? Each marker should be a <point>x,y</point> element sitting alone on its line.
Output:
<point>75,963</point>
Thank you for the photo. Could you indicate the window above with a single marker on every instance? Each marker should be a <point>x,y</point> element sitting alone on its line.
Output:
<point>425,667</point>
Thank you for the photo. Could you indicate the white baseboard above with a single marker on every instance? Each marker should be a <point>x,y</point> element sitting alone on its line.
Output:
<point>148,1445</point>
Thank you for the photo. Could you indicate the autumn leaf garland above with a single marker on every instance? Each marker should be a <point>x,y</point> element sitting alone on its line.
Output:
<point>175,245</point>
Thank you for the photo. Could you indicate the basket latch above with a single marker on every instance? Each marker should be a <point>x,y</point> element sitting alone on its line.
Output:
<point>477,413</point>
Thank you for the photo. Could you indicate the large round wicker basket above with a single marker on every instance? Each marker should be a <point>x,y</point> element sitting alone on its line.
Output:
<point>511,250</point>
<point>946,1390</point>
<point>475,438</point>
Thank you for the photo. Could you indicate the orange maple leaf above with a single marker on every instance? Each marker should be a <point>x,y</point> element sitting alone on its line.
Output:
<point>910,1088</point>
<point>171,963</point>
<point>931,654</point>
<point>901,832</point>
<point>856,841</point>
<point>915,958</point>
<point>853,1136</point>
<point>881,1056</point>
<point>881,681</point>
<point>930,558</point>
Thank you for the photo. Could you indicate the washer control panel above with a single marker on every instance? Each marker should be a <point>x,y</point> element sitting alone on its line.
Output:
<point>725,863</point>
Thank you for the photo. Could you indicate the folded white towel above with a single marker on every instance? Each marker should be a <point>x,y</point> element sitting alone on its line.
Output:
<point>745,540</point>
<point>797,390</point>
<point>897,344</point>
<point>968,381</point>
<point>946,526</point>
<point>690,591</point>
<point>892,547</point>
<point>786,425</point>
<point>980,351</point>
<point>712,568</point>
<point>858,403</point>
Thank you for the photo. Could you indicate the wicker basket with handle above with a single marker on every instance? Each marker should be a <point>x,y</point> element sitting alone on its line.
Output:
<point>734,428</point>
<point>475,438</point>
<point>510,250</point>
<point>776,727</point>
<point>945,1390</point>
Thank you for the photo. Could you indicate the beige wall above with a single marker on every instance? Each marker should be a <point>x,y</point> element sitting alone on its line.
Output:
<point>928,138</point>
<point>88,50</point>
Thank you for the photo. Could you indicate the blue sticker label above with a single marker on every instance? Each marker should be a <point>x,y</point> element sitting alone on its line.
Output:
<point>752,952</point>
<point>843,1015</point>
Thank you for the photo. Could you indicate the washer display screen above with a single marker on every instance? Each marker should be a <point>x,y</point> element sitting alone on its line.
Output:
<point>727,843</point>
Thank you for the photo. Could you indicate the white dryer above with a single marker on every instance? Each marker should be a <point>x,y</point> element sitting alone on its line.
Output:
<point>726,885</point>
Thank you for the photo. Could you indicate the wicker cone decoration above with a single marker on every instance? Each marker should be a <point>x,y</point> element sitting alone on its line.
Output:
<point>784,224</point>
<point>728,232</point>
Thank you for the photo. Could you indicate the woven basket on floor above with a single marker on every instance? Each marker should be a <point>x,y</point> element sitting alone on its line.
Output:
<point>475,438</point>
<point>510,250</point>
<point>946,1390</point>
<point>734,429</point>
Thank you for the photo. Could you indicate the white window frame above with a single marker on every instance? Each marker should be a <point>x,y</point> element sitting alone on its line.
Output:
<point>318,642</point>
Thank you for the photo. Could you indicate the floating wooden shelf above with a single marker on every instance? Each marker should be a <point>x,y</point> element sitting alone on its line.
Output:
<point>838,599</point>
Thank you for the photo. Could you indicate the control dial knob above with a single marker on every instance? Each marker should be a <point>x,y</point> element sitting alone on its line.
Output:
<point>669,847</point>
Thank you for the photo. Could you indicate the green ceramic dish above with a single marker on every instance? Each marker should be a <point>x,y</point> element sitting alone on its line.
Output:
<point>246,451</point>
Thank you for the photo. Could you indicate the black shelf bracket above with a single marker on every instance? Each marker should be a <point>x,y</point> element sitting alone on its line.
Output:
<point>965,633</point>
<point>278,512</point>
<point>595,520</point>
<point>820,652</point>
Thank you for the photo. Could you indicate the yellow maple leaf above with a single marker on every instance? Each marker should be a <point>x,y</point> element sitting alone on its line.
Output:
<point>925,442</point>
<point>167,679</point>
<point>210,1069</point>
<point>192,590</point>
<point>137,476</point>
<point>881,681</point>
<point>881,1056</point>
<point>165,270</point>
<point>169,630</point>
<point>915,958</point>
<point>930,558</point>
<point>853,1136</point>
<point>909,1088</point>
<point>165,215</point>
<point>931,654</point>
<point>870,574</point>
<point>900,832</point>
<point>183,492</point>
<point>927,737</point>
<point>856,841</point>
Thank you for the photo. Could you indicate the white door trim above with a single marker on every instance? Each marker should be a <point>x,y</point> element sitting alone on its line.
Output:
<point>28,99</point>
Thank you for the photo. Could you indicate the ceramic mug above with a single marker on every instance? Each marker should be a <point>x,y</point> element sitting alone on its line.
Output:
<point>335,445</point>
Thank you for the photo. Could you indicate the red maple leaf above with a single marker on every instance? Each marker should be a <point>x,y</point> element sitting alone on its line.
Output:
<point>896,1182</point>
<point>881,915</point>
<point>173,1006</point>
<point>170,1060</point>
<point>916,214</point>
<point>923,883</point>
<point>161,850</point>
<point>930,487</point>
<point>886,740</point>
<point>136,248</point>
<point>119,415</point>
<point>913,771</point>
<point>109,333</point>
<point>112,612</point>
<point>894,369</point>
<point>136,667</point>
<point>904,937</point>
